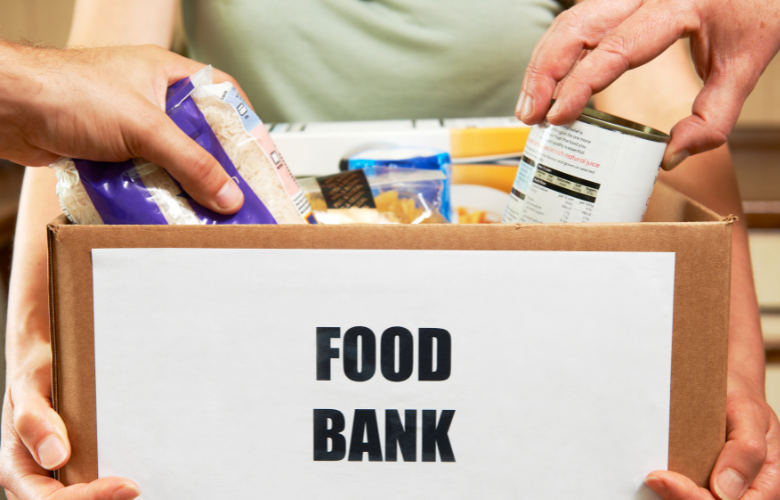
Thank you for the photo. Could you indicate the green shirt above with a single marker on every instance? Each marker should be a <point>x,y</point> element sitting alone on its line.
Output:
<point>323,60</point>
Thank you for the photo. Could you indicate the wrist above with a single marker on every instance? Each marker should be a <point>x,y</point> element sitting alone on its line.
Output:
<point>31,361</point>
<point>743,384</point>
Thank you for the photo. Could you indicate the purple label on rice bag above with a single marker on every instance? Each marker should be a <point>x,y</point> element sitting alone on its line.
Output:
<point>120,196</point>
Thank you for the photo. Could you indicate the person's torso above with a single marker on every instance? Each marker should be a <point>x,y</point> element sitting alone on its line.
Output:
<point>322,60</point>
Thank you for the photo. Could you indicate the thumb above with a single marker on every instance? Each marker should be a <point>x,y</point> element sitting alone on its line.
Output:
<point>38,487</point>
<point>156,138</point>
<point>715,111</point>
<point>745,451</point>
<point>108,488</point>
<point>40,428</point>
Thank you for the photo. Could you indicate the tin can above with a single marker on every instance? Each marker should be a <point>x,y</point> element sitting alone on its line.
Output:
<point>599,168</point>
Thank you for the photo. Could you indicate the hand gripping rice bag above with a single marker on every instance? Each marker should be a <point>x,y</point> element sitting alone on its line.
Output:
<point>383,195</point>
<point>140,192</point>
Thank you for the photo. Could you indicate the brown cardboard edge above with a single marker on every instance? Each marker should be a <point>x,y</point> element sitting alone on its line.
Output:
<point>50,271</point>
<point>681,445</point>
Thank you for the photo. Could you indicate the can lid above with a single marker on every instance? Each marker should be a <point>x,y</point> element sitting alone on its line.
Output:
<point>611,122</point>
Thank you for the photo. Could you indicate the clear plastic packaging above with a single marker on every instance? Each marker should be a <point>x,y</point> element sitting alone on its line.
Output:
<point>385,195</point>
<point>403,157</point>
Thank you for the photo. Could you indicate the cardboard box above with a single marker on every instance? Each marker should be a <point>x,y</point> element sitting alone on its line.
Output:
<point>700,239</point>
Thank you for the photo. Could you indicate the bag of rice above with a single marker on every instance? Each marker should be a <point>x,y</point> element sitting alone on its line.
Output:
<point>140,192</point>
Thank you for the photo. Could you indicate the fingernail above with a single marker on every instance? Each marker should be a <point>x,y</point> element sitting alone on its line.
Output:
<point>51,452</point>
<point>656,485</point>
<point>126,492</point>
<point>555,109</point>
<point>525,106</point>
<point>729,485</point>
<point>676,159</point>
<point>229,196</point>
<point>520,104</point>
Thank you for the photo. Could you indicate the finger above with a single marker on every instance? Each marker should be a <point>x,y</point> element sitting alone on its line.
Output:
<point>39,427</point>
<point>36,158</point>
<point>155,137</point>
<point>176,67</point>
<point>674,486</point>
<point>641,38</point>
<point>36,487</point>
<point>29,155</point>
<point>767,482</point>
<point>17,463</point>
<point>573,31</point>
<point>23,479</point>
<point>715,112</point>
<point>745,451</point>
<point>109,488</point>
<point>221,76</point>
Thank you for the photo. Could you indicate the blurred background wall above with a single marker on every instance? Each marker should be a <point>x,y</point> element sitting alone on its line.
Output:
<point>755,145</point>
<point>46,21</point>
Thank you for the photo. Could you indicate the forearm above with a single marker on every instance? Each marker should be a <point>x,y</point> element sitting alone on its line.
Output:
<point>709,178</point>
<point>17,83</point>
<point>27,333</point>
<point>659,94</point>
<point>123,22</point>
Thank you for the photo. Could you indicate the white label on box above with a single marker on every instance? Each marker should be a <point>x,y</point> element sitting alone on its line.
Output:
<point>382,374</point>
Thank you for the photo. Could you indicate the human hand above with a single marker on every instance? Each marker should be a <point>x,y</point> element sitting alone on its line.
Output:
<point>590,45</point>
<point>749,465</point>
<point>34,440</point>
<point>105,104</point>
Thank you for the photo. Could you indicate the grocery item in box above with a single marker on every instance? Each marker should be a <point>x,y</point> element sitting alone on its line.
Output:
<point>247,143</point>
<point>420,158</point>
<point>381,195</point>
<point>480,191</point>
<point>598,168</point>
<point>140,192</point>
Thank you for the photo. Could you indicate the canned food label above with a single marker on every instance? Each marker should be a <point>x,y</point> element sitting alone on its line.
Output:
<point>583,173</point>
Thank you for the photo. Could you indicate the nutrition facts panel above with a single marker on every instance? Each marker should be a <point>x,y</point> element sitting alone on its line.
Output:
<point>566,184</point>
<point>554,196</point>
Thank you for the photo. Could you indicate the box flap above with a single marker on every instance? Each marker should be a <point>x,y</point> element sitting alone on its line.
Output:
<point>667,205</point>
